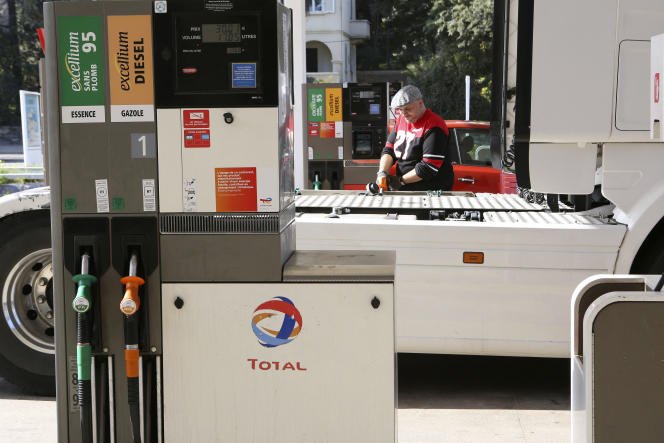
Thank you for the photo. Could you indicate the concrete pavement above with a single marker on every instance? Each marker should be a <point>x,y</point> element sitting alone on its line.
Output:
<point>25,418</point>
<point>455,399</point>
<point>442,399</point>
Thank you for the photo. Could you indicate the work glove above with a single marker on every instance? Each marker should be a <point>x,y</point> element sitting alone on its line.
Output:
<point>381,180</point>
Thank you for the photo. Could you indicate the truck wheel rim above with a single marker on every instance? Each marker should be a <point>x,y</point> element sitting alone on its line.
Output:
<point>27,301</point>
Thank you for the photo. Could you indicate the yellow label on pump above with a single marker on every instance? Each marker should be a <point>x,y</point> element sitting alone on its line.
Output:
<point>333,105</point>
<point>130,68</point>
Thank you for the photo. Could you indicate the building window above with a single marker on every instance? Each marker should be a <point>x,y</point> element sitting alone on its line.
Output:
<point>319,6</point>
<point>312,59</point>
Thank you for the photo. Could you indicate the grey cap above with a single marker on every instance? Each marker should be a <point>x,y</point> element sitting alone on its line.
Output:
<point>405,95</point>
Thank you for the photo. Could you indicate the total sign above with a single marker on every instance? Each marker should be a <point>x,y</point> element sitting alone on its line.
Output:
<point>276,322</point>
<point>242,359</point>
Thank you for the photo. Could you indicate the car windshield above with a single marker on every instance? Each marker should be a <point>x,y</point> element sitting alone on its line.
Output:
<point>474,146</point>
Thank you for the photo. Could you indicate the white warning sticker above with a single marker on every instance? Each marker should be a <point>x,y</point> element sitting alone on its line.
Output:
<point>189,195</point>
<point>310,150</point>
<point>340,152</point>
<point>101,193</point>
<point>149,198</point>
<point>339,129</point>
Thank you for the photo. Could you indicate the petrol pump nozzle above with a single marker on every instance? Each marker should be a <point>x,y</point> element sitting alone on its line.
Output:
<point>382,184</point>
<point>83,300</point>
<point>374,188</point>
<point>131,301</point>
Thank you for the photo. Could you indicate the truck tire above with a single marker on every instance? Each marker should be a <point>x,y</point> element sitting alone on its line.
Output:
<point>27,345</point>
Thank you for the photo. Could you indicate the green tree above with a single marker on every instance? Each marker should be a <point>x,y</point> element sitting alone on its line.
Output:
<point>396,33</point>
<point>466,28</point>
<point>437,43</point>
<point>19,53</point>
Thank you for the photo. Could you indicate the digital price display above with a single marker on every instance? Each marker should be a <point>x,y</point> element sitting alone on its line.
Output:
<point>222,33</point>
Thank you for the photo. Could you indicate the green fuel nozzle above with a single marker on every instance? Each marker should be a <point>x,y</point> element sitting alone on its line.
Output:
<point>83,300</point>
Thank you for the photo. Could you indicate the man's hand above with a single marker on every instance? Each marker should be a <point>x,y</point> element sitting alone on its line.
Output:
<point>381,180</point>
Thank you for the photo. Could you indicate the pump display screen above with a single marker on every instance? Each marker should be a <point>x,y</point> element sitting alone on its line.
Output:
<point>367,101</point>
<point>219,52</point>
<point>222,33</point>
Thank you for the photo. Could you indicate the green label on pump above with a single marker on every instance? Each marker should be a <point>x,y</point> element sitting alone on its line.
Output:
<point>316,105</point>
<point>70,204</point>
<point>118,203</point>
<point>81,69</point>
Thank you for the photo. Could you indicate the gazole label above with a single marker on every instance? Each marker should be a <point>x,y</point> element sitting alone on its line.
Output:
<point>130,63</point>
<point>81,69</point>
<point>333,99</point>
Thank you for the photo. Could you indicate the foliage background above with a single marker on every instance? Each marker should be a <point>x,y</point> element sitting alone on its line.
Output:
<point>436,43</point>
<point>19,53</point>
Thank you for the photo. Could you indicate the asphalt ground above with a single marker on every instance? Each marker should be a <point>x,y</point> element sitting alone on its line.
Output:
<point>442,399</point>
<point>467,399</point>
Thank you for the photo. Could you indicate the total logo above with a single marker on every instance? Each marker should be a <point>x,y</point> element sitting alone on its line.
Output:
<point>276,322</point>
<point>275,365</point>
<point>266,200</point>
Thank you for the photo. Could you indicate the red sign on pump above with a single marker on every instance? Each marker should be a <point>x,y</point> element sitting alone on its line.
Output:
<point>196,138</point>
<point>236,189</point>
<point>196,118</point>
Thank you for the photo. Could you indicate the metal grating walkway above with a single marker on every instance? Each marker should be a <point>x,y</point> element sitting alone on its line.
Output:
<point>416,201</point>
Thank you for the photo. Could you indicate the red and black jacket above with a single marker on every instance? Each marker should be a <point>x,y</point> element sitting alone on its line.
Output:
<point>422,146</point>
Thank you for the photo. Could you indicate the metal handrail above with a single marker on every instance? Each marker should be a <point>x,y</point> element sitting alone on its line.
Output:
<point>26,175</point>
<point>18,170</point>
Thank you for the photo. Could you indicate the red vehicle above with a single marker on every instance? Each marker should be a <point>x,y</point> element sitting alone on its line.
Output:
<point>470,154</point>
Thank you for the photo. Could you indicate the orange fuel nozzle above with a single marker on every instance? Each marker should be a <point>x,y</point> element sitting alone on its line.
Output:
<point>131,300</point>
<point>382,184</point>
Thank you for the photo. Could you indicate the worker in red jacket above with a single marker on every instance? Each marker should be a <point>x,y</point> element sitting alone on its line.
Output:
<point>418,145</point>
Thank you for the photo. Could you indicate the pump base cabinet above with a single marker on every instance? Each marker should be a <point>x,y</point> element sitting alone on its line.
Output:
<point>283,362</point>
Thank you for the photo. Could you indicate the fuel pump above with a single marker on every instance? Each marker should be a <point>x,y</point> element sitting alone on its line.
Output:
<point>368,113</point>
<point>101,124</point>
<point>174,157</point>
